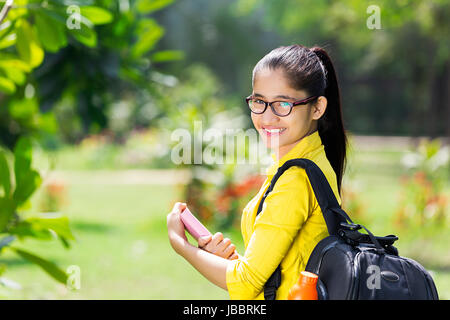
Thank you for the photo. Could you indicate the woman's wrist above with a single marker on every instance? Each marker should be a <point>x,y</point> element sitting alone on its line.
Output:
<point>178,243</point>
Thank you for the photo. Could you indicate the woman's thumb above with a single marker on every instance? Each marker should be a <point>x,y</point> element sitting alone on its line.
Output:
<point>179,207</point>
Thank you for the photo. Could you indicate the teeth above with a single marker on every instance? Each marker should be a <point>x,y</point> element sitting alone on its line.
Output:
<point>274,130</point>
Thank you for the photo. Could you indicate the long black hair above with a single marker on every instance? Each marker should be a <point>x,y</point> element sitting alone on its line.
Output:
<point>311,70</point>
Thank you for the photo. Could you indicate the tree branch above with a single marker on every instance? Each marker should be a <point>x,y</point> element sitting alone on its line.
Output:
<point>5,10</point>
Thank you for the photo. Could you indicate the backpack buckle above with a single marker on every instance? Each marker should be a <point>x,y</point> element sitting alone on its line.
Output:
<point>350,226</point>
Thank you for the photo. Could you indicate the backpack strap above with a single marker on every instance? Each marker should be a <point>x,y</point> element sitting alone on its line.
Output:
<point>331,210</point>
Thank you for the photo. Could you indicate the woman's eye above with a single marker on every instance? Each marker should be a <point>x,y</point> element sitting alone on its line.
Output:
<point>285,104</point>
<point>258,101</point>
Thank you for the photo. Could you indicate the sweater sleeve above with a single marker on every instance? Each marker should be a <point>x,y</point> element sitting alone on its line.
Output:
<point>284,212</point>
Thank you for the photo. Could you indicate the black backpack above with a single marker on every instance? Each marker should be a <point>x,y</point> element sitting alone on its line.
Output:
<point>350,264</point>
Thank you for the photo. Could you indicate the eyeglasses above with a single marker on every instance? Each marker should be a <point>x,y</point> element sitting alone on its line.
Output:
<point>280,108</point>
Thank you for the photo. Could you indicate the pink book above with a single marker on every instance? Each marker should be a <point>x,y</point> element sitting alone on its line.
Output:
<point>193,226</point>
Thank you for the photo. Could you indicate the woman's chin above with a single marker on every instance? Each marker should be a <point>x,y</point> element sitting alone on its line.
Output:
<point>271,142</point>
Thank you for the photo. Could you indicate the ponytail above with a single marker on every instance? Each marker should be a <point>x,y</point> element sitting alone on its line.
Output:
<point>330,125</point>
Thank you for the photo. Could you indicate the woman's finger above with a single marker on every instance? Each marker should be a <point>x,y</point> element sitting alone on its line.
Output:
<point>229,250</point>
<point>216,239</point>
<point>175,228</point>
<point>203,241</point>
<point>223,245</point>
<point>234,256</point>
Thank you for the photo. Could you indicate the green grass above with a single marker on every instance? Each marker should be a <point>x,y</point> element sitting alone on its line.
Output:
<point>123,251</point>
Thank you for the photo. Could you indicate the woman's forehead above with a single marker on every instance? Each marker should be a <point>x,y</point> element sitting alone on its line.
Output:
<point>273,84</point>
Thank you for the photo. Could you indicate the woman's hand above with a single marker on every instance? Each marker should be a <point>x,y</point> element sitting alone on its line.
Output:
<point>219,246</point>
<point>209,265</point>
<point>175,227</point>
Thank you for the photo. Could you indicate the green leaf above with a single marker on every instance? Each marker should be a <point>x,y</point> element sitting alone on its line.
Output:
<point>57,14</point>
<point>28,45</point>
<point>23,153</point>
<point>96,15</point>
<point>167,55</point>
<point>27,179</point>
<point>25,229</point>
<point>7,86</point>
<point>26,185</point>
<point>5,176</point>
<point>24,109</point>
<point>15,64</point>
<point>51,268</point>
<point>8,41</point>
<point>50,32</point>
<point>18,10</point>
<point>15,75</point>
<point>149,33</point>
<point>7,208</point>
<point>64,242</point>
<point>7,29</point>
<point>147,6</point>
<point>56,222</point>
<point>85,35</point>
<point>47,122</point>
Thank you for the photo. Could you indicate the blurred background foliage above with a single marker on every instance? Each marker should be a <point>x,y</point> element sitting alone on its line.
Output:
<point>103,103</point>
<point>89,79</point>
<point>392,78</point>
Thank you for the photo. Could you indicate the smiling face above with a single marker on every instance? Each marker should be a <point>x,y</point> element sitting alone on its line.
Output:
<point>282,133</point>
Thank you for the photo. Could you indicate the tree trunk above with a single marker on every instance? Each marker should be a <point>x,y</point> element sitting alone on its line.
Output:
<point>439,110</point>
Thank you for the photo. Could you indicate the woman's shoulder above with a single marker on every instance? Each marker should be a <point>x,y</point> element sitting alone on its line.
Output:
<point>295,179</point>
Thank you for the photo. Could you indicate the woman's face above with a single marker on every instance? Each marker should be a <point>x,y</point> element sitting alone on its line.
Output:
<point>282,133</point>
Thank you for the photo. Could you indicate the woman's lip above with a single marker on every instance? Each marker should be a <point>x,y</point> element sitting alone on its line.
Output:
<point>271,127</point>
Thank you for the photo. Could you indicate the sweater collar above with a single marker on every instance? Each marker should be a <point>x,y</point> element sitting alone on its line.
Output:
<point>305,146</point>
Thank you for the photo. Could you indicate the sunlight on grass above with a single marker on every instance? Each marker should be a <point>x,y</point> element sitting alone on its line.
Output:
<point>123,251</point>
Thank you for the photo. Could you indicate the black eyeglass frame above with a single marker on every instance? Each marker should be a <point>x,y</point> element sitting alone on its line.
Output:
<point>292,104</point>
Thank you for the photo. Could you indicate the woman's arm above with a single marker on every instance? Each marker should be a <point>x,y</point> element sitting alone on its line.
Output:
<point>284,213</point>
<point>212,267</point>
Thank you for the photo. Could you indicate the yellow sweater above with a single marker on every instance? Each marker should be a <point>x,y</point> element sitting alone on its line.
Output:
<point>286,230</point>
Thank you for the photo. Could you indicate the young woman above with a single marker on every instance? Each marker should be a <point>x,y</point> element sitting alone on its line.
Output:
<point>295,106</point>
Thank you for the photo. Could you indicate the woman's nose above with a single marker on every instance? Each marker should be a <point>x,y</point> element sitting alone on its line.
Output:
<point>268,117</point>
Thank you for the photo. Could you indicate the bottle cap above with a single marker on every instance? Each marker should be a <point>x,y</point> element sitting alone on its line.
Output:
<point>308,277</point>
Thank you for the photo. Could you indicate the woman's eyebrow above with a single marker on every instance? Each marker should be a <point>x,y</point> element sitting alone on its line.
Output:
<point>284,97</point>
<point>277,97</point>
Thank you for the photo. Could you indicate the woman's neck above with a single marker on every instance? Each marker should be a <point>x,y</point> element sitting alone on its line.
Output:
<point>283,150</point>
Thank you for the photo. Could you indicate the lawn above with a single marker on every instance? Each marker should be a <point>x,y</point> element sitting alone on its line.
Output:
<point>123,252</point>
<point>121,249</point>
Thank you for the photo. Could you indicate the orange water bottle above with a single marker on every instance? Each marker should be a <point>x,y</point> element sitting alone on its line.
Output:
<point>305,288</point>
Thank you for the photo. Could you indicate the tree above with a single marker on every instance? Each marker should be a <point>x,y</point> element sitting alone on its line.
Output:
<point>51,51</point>
<point>72,76</point>
<point>18,181</point>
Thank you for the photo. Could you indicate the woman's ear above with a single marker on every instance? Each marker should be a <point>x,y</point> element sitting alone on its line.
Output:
<point>319,107</point>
